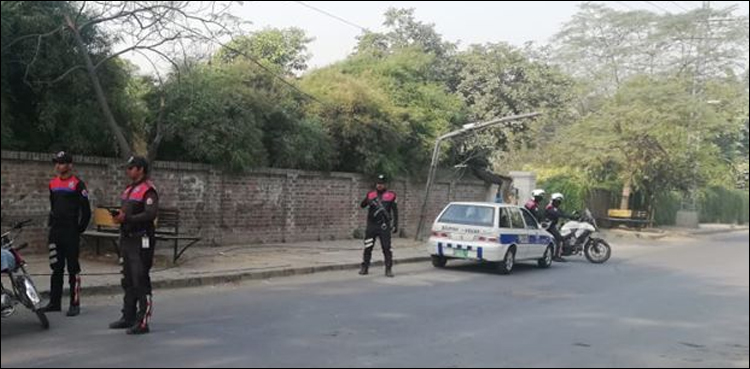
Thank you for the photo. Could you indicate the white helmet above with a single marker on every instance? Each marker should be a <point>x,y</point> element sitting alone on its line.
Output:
<point>557,197</point>
<point>538,193</point>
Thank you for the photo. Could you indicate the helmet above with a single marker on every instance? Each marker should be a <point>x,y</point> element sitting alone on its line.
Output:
<point>558,197</point>
<point>538,193</point>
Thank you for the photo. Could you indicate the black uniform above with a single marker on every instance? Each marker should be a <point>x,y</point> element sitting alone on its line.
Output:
<point>69,216</point>
<point>554,215</point>
<point>382,219</point>
<point>140,203</point>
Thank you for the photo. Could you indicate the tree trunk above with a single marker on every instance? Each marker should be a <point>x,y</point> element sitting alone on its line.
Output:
<point>627,189</point>
<point>109,118</point>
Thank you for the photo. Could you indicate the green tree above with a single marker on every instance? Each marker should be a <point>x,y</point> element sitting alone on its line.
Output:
<point>283,48</point>
<point>384,113</point>
<point>213,117</point>
<point>40,116</point>
<point>606,47</point>
<point>652,133</point>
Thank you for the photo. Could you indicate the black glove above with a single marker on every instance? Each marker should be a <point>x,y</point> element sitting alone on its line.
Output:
<point>395,229</point>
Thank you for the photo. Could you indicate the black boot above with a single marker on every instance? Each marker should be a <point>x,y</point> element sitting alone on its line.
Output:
<point>123,323</point>
<point>73,310</point>
<point>52,307</point>
<point>389,272</point>
<point>55,294</point>
<point>75,296</point>
<point>145,306</point>
<point>365,270</point>
<point>138,330</point>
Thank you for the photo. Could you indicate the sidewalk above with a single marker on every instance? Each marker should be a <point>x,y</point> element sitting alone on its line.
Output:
<point>674,232</point>
<point>215,265</point>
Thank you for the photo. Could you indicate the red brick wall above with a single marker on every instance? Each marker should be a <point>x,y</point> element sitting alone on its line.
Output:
<point>261,206</point>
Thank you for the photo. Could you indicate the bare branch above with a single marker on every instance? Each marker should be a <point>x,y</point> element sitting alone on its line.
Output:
<point>80,11</point>
<point>136,47</point>
<point>33,60</point>
<point>62,76</point>
<point>26,37</point>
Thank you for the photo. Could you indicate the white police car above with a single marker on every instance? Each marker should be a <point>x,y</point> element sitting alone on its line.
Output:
<point>496,233</point>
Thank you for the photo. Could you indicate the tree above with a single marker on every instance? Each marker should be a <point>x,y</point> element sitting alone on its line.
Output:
<point>498,80</point>
<point>406,32</point>
<point>283,48</point>
<point>144,27</point>
<point>384,113</point>
<point>607,47</point>
<point>213,118</point>
<point>652,133</point>
<point>40,116</point>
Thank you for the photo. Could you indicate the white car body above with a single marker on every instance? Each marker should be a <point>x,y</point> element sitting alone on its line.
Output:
<point>486,232</point>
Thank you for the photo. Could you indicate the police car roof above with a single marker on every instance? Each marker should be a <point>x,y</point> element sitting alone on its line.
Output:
<point>486,204</point>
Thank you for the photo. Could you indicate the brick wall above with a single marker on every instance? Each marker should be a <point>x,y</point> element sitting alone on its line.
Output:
<point>260,206</point>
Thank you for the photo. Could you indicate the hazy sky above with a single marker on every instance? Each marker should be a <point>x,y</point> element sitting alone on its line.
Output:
<point>466,21</point>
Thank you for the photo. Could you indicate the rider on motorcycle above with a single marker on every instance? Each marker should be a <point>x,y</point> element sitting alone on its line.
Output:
<point>8,262</point>
<point>534,205</point>
<point>554,215</point>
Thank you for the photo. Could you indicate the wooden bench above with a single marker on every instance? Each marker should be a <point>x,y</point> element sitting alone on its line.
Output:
<point>106,229</point>
<point>630,218</point>
<point>167,229</point>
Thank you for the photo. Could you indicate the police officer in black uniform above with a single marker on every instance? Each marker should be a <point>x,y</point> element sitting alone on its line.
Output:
<point>382,219</point>
<point>139,209</point>
<point>69,216</point>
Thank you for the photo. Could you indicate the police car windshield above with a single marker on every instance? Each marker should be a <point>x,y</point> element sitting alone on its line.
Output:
<point>481,216</point>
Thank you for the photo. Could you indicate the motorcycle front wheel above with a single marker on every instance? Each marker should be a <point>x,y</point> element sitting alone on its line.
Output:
<point>42,318</point>
<point>598,251</point>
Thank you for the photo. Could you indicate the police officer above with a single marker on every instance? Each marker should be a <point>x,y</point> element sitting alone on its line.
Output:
<point>554,215</point>
<point>534,205</point>
<point>140,203</point>
<point>69,216</point>
<point>382,219</point>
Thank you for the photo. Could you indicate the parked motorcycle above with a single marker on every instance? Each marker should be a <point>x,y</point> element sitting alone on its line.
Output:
<point>23,291</point>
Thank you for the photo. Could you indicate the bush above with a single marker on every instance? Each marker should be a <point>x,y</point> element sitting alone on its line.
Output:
<point>666,208</point>
<point>722,205</point>
<point>574,191</point>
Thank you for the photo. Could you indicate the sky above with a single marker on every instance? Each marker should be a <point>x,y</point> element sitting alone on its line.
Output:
<point>469,22</point>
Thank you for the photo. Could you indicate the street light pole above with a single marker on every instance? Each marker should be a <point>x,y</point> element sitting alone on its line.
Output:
<point>436,156</point>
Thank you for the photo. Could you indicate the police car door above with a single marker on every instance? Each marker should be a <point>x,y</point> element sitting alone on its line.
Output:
<point>523,241</point>
<point>537,245</point>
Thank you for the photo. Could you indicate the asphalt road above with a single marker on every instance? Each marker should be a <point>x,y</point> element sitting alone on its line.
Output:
<point>678,304</point>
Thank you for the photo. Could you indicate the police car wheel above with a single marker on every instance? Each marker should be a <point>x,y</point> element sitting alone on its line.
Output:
<point>546,261</point>
<point>505,267</point>
<point>439,261</point>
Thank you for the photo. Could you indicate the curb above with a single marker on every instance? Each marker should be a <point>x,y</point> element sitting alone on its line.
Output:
<point>198,281</point>
<point>713,231</point>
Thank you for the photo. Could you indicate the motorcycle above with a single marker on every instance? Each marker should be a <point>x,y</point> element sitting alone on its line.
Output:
<point>23,291</point>
<point>578,238</point>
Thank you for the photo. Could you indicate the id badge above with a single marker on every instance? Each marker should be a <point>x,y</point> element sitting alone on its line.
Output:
<point>145,242</point>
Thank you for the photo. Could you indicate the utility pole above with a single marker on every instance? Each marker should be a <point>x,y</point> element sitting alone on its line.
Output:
<point>473,127</point>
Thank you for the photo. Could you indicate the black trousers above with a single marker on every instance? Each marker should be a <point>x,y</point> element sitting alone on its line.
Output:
<point>64,250</point>
<point>558,240</point>
<point>136,278</point>
<point>378,232</point>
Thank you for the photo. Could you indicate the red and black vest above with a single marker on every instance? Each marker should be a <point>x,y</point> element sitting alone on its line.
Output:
<point>68,197</point>
<point>133,201</point>
<point>386,199</point>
